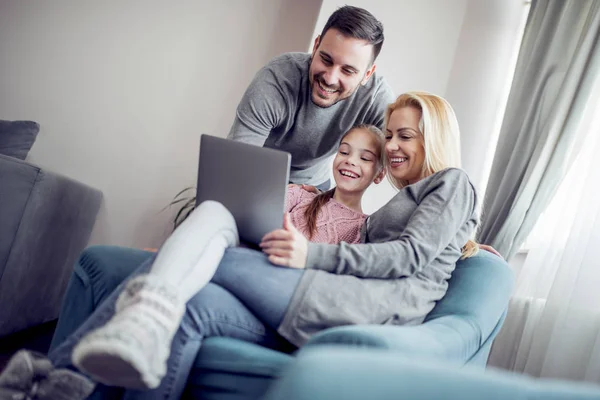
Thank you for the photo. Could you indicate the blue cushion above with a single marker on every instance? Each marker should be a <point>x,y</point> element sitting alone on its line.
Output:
<point>17,137</point>
<point>479,290</point>
<point>231,369</point>
<point>358,374</point>
<point>459,330</point>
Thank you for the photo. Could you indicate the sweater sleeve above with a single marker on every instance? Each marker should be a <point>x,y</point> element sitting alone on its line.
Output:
<point>444,208</point>
<point>293,197</point>
<point>261,109</point>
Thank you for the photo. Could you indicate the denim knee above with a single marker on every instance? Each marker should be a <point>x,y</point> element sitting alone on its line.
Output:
<point>102,268</point>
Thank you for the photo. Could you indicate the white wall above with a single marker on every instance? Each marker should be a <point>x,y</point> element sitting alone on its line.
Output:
<point>480,78</point>
<point>459,49</point>
<point>122,90</point>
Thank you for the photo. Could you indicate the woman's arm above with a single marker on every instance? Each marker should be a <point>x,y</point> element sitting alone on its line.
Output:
<point>445,208</point>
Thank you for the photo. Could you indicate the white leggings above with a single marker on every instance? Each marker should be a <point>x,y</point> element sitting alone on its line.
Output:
<point>211,226</point>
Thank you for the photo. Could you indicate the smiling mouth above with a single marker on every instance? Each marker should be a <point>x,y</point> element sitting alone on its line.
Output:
<point>325,90</point>
<point>397,161</point>
<point>348,174</point>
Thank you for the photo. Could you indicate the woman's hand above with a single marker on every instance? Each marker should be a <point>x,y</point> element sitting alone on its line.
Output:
<point>286,247</point>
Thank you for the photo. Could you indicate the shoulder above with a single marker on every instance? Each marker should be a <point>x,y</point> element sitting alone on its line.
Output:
<point>296,191</point>
<point>451,175</point>
<point>447,183</point>
<point>347,211</point>
<point>383,89</point>
<point>372,99</point>
<point>281,78</point>
<point>291,65</point>
<point>379,90</point>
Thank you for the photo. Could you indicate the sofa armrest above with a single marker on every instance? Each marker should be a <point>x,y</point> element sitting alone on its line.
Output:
<point>54,219</point>
<point>452,339</point>
<point>333,373</point>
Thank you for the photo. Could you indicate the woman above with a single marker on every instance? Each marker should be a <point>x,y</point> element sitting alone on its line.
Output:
<point>410,247</point>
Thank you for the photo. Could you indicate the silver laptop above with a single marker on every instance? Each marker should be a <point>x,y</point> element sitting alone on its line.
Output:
<point>250,181</point>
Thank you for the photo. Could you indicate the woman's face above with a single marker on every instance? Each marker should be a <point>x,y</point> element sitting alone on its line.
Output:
<point>404,145</point>
<point>356,164</point>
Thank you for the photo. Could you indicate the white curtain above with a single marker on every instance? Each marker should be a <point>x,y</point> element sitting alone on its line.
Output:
<point>559,58</point>
<point>553,325</point>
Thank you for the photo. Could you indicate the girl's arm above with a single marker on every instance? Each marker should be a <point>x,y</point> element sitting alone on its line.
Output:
<point>448,204</point>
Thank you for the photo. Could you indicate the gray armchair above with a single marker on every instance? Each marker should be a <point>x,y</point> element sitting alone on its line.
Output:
<point>45,221</point>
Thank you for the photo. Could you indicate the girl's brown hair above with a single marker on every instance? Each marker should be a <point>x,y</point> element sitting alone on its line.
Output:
<point>312,211</point>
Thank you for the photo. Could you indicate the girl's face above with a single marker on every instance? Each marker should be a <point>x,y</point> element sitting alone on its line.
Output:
<point>357,162</point>
<point>404,145</point>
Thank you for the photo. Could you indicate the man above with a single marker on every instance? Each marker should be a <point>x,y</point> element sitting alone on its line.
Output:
<point>303,103</point>
<point>300,103</point>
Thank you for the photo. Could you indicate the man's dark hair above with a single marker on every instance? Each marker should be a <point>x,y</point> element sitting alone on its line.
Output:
<point>357,23</point>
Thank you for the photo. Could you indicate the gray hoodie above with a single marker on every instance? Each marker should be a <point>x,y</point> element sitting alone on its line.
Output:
<point>408,252</point>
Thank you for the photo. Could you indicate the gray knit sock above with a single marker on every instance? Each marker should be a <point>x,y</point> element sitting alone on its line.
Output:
<point>30,375</point>
<point>132,349</point>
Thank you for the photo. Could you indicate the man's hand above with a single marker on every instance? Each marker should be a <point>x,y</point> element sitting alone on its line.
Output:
<point>311,189</point>
<point>308,188</point>
<point>286,247</point>
<point>490,249</point>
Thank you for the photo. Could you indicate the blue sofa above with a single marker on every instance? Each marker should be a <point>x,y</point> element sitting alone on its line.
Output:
<point>459,330</point>
<point>358,374</point>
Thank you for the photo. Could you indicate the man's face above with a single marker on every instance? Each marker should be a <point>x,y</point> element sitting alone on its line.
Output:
<point>339,65</point>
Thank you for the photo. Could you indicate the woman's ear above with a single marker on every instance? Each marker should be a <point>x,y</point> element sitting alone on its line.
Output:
<point>379,176</point>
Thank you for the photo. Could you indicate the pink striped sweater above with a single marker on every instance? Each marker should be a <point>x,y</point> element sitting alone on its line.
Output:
<point>335,222</point>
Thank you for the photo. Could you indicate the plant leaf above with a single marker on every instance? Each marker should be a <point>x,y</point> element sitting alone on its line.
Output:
<point>183,191</point>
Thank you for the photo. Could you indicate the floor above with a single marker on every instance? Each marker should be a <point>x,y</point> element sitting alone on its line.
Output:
<point>37,338</point>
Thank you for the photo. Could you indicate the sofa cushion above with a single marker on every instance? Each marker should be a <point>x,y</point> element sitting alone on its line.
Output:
<point>17,179</point>
<point>478,291</point>
<point>17,137</point>
<point>233,369</point>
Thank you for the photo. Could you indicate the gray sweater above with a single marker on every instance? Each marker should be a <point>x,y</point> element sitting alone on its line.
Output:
<point>408,252</point>
<point>277,111</point>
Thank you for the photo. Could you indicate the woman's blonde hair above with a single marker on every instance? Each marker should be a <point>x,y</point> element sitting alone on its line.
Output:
<point>441,139</point>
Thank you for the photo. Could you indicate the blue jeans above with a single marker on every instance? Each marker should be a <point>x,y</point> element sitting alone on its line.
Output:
<point>247,300</point>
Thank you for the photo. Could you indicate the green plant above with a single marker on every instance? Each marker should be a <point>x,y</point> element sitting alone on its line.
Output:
<point>186,204</point>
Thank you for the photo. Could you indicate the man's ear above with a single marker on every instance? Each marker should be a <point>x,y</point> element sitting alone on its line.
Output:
<point>379,176</point>
<point>368,74</point>
<point>316,45</point>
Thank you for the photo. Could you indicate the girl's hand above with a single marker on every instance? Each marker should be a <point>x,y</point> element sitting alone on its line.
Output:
<point>286,247</point>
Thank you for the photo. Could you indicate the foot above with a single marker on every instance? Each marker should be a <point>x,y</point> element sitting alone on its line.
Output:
<point>31,376</point>
<point>132,349</point>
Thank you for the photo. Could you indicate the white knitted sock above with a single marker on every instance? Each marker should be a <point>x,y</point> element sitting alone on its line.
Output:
<point>132,348</point>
